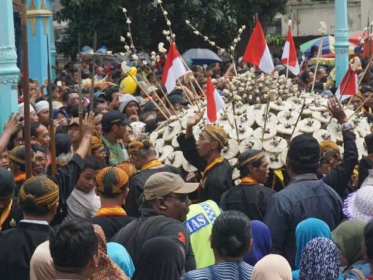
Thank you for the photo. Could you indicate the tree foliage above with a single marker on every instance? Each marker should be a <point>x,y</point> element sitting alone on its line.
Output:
<point>217,19</point>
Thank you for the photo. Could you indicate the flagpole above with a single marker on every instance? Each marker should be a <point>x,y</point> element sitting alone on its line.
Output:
<point>317,62</point>
<point>26,91</point>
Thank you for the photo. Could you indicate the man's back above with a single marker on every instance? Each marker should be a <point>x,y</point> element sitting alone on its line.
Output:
<point>17,246</point>
<point>151,225</point>
<point>304,197</point>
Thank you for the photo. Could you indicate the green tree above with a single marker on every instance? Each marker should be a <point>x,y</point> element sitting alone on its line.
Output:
<point>217,19</point>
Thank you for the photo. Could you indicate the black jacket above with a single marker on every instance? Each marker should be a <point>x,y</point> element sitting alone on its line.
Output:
<point>136,185</point>
<point>249,199</point>
<point>303,198</point>
<point>150,225</point>
<point>17,247</point>
<point>111,224</point>
<point>339,178</point>
<point>14,217</point>
<point>218,179</point>
<point>364,166</point>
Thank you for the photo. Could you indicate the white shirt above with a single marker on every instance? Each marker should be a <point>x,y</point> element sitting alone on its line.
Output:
<point>82,205</point>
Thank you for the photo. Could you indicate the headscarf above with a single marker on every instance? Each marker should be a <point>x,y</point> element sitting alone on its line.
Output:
<point>217,133</point>
<point>41,264</point>
<point>305,232</point>
<point>107,269</point>
<point>249,157</point>
<point>320,260</point>
<point>128,167</point>
<point>38,191</point>
<point>272,267</point>
<point>96,142</point>
<point>160,259</point>
<point>121,257</point>
<point>111,180</point>
<point>349,237</point>
<point>262,243</point>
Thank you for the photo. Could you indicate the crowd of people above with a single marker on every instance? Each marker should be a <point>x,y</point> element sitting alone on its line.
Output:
<point>114,210</point>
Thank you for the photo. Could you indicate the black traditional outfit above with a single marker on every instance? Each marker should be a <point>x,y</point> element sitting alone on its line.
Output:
<point>217,174</point>
<point>248,197</point>
<point>137,182</point>
<point>17,247</point>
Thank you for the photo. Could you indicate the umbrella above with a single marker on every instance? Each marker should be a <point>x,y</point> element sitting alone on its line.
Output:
<point>201,56</point>
<point>327,45</point>
<point>356,37</point>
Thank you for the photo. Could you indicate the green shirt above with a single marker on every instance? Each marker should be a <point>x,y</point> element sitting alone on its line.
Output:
<point>116,153</point>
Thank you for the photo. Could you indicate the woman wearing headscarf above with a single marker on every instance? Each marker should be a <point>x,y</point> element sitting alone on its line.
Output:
<point>250,196</point>
<point>349,237</point>
<point>320,260</point>
<point>261,245</point>
<point>304,233</point>
<point>272,267</point>
<point>121,257</point>
<point>160,259</point>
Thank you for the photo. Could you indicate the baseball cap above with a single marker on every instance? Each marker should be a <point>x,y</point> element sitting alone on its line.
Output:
<point>114,117</point>
<point>304,150</point>
<point>176,98</point>
<point>99,94</point>
<point>163,183</point>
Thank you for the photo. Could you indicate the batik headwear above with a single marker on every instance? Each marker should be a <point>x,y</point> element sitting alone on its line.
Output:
<point>329,148</point>
<point>107,269</point>
<point>272,267</point>
<point>349,236</point>
<point>129,168</point>
<point>359,95</point>
<point>306,231</point>
<point>217,133</point>
<point>17,156</point>
<point>249,157</point>
<point>262,243</point>
<point>96,142</point>
<point>136,145</point>
<point>320,260</point>
<point>111,181</point>
<point>38,191</point>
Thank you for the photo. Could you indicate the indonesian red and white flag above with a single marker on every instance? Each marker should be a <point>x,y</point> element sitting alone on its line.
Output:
<point>349,85</point>
<point>173,69</point>
<point>257,51</point>
<point>214,101</point>
<point>289,55</point>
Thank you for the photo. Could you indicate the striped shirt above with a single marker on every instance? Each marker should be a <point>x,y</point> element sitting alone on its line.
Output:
<point>228,270</point>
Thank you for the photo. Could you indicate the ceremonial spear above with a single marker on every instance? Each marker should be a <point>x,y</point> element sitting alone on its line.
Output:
<point>26,91</point>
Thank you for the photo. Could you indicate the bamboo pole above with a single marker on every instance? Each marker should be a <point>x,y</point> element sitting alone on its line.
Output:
<point>51,123</point>
<point>235,121</point>
<point>361,105</point>
<point>26,91</point>
<point>317,62</point>
<point>80,91</point>
<point>298,119</point>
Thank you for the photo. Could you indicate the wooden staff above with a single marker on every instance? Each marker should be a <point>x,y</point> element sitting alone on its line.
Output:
<point>93,71</point>
<point>26,92</point>
<point>235,121</point>
<point>150,98</point>
<point>361,105</point>
<point>80,91</point>
<point>51,123</point>
<point>265,116</point>
<point>366,69</point>
<point>300,115</point>
<point>317,62</point>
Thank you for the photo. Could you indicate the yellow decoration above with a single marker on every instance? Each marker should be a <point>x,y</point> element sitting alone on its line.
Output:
<point>129,84</point>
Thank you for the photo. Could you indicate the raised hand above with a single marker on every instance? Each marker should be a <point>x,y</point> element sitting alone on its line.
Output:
<point>88,126</point>
<point>195,119</point>
<point>13,124</point>
<point>336,109</point>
